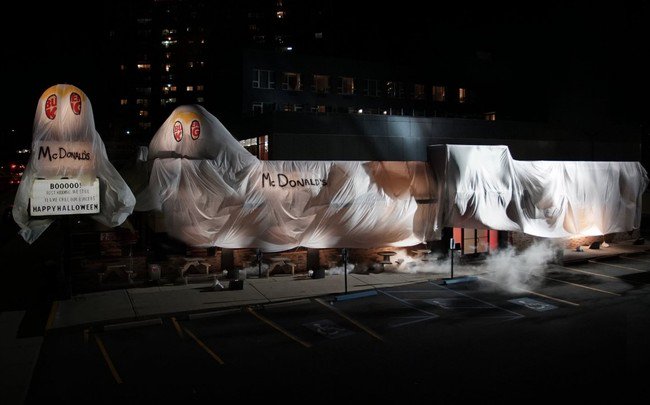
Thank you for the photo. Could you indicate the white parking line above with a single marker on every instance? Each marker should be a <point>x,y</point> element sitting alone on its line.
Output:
<point>616,265</point>
<point>575,304</point>
<point>581,286</point>
<point>635,259</point>
<point>476,299</point>
<point>586,272</point>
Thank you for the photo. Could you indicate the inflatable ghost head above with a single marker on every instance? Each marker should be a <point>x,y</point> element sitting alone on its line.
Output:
<point>65,144</point>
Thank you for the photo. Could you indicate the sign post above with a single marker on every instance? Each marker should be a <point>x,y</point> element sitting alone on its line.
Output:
<point>344,253</point>
<point>258,256</point>
<point>452,245</point>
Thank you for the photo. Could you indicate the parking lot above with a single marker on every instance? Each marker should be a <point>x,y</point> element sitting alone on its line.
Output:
<point>577,328</point>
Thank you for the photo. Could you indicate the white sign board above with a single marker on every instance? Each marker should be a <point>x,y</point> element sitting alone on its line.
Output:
<point>64,197</point>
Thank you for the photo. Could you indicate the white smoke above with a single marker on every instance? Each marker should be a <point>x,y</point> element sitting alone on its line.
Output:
<point>510,269</point>
<point>338,270</point>
<point>514,270</point>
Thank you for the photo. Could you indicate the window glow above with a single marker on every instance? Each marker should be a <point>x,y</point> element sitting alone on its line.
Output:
<point>439,93</point>
<point>462,95</point>
<point>347,86</point>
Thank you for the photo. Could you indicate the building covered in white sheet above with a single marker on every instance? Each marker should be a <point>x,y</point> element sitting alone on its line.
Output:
<point>483,187</point>
<point>212,192</point>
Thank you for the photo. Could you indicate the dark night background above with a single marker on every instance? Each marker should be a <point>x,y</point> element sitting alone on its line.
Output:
<point>576,65</point>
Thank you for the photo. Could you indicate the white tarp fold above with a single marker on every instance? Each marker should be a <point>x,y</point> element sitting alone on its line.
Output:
<point>483,187</point>
<point>213,192</point>
<point>65,144</point>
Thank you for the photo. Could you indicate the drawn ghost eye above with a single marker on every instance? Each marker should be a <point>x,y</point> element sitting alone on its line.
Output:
<point>50,107</point>
<point>178,131</point>
<point>75,103</point>
<point>195,129</point>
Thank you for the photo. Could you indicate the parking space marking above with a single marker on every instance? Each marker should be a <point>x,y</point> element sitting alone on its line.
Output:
<point>277,327</point>
<point>581,286</point>
<point>177,327</point>
<point>108,360</point>
<point>479,300</point>
<point>410,319</point>
<point>575,304</point>
<point>203,346</point>
<point>635,259</point>
<point>349,319</point>
<point>586,272</point>
<point>50,318</point>
<point>616,265</point>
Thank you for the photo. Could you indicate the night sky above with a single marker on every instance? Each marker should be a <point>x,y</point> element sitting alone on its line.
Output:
<point>579,65</point>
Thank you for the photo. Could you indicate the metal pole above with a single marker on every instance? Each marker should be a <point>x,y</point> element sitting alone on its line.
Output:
<point>451,251</point>
<point>345,268</point>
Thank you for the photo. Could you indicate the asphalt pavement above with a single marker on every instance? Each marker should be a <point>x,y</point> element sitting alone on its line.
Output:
<point>21,339</point>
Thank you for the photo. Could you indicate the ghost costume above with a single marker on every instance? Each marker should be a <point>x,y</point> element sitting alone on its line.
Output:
<point>213,192</point>
<point>65,144</point>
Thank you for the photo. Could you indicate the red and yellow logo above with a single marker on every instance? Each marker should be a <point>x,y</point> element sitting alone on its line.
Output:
<point>50,107</point>
<point>195,129</point>
<point>75,103</point>
<point>178,131</point>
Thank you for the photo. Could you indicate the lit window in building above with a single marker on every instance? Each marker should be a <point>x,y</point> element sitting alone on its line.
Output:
<point>347,86</point>
<point>291,81</point>
<point>319,108</point>
<point>371,87</point>
<point>490,116</point>
<point>292,108</point>
<point>475,241</point>
<point>321,84</point>
<point>200,99</point>
<point>143,90</point>
<point>462,95</point>
<point>418,91</point>
<point>124,101</point>
<point>168,67</point>
<point>168,88</point>
<point>165,101</point>
<point>200,87</point>
<point>280,14</point>
<point>318,35</point>
<point>439,93</point>
<point>122,67</point>
<point>189,88</point>
<point>190,65</point>
<point>142,101</point>
<point>263,107</point>
<point>263,79</point>
<point>168,55</point>
<point>258,146</point>
<point>167,42</point>
<point>167,32</point>
<point>201,63</point>
<point>144,66</point>
<point>395,89</point>
<point>143,113</point>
